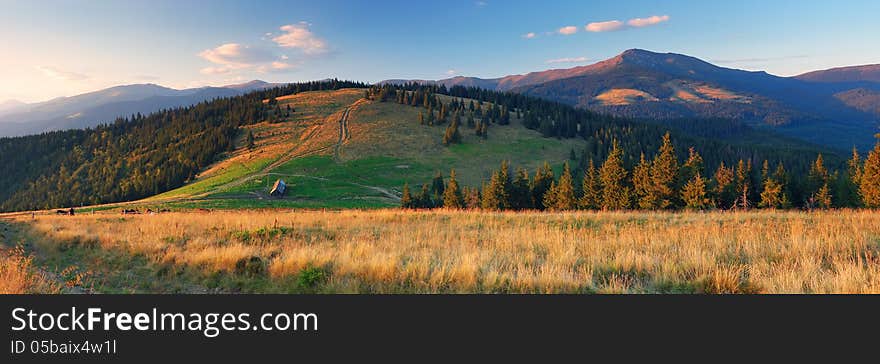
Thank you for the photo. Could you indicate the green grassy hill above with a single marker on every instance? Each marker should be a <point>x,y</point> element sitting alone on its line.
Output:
<point>362,162</point>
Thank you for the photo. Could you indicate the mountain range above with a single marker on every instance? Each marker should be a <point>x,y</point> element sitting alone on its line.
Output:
<point>103,106</point>
<point>837,107</point>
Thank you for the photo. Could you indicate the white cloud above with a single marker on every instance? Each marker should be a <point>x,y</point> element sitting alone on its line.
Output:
<point>62,75</point>
<point>451,72</point>
<point>604,26</point>
<point>234,55</point>
<point>481,3</point>
<point>276,66</point>
<point>215,70</point>
<point>568,30</point>
<point>568,60</point>
<point>529,35</point>
<point>299,36</point>
<point>649,21</point>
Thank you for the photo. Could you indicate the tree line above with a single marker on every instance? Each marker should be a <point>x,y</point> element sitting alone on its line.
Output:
<point>662,182</point>
<point>132,157</point>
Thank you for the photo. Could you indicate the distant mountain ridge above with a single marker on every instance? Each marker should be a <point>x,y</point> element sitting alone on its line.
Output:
<point>103,106</point>
<point>866,73</point>
<point>644,84</point>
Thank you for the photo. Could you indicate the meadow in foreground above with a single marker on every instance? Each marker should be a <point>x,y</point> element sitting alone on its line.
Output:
<point>399,251</point>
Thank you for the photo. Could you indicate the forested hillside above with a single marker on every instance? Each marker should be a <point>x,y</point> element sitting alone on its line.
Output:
<point>142,156</point>
<point>759,170</point>
<point>131,158</point>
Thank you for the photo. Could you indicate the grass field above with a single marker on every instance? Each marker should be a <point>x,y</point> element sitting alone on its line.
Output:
<point>384,148</point>
<point>396,251</point>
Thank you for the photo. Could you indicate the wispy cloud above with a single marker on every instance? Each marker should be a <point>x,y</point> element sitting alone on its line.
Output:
<point>276,66</point>
<point>604,26</point>
<point>481,4</point>
<point>529,35</point>
<point>299,36</point>
<point>568,30</point>
<point>614,25</point>
<point>451,72</point>
<point>233,56</point>
<point>649,21</point>
<point>59,74</point>
<point>568,60</point>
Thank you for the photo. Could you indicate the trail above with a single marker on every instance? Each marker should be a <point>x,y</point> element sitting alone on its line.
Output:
<point>344,136</point>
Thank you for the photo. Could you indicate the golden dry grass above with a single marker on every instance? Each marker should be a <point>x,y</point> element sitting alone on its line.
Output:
<point>624,96</point>
<point>452,251</point>
<point>18,274</point>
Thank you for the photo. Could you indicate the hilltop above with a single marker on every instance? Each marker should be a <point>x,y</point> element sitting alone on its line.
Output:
<point>661,86</point>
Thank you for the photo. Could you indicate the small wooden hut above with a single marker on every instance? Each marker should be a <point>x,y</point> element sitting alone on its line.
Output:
<point>278,188</point>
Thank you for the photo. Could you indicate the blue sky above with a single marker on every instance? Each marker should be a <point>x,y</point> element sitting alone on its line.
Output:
<point>62,48</point>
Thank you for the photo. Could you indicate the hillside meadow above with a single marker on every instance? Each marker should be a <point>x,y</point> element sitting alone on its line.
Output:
<point>443,251</point>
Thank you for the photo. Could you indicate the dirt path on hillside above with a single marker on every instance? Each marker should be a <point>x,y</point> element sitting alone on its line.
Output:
<point>344,136</point>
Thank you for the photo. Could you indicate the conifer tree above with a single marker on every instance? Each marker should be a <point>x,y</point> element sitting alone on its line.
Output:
<point>851,181</point>
<point>496,195</point>
<point>725,189</point>
<point>694,194</point>
<point>664,169</point>
<point>743,184</point>
<point>541,184</point>
<point>772,195</point>
<point>869,179</point>
<point>691,167</point>
<point>424,199</point>
<point>406,200</point>
<point>615,194</point>
<point>452,195</point>
<point>643,186</point>
<point>521,194</point>
<point>592,188</point>
<point>822,197</point>
<point>561,196</point>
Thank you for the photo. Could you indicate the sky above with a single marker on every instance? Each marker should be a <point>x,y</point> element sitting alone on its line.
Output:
<point>50,48</point>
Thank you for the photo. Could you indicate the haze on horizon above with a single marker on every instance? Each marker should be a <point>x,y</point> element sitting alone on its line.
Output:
<point>56,48</point>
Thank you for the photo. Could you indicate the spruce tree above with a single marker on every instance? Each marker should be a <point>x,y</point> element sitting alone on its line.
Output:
<point>643,186</point>
<point>694,194</point>
<point>541,184</point>
<point>869,179</point>
<point>615,194</point>
<point>561,196</point>
<point>691,167</point>
<point>664,169</point>
<point>424,199</point>
<point>452,198</point>
<point>521,194</point>
<point>406,200</point>
<point>592,188</point>
<point>725,189</point>
<point>772,195</point>
<point>496,195</point>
